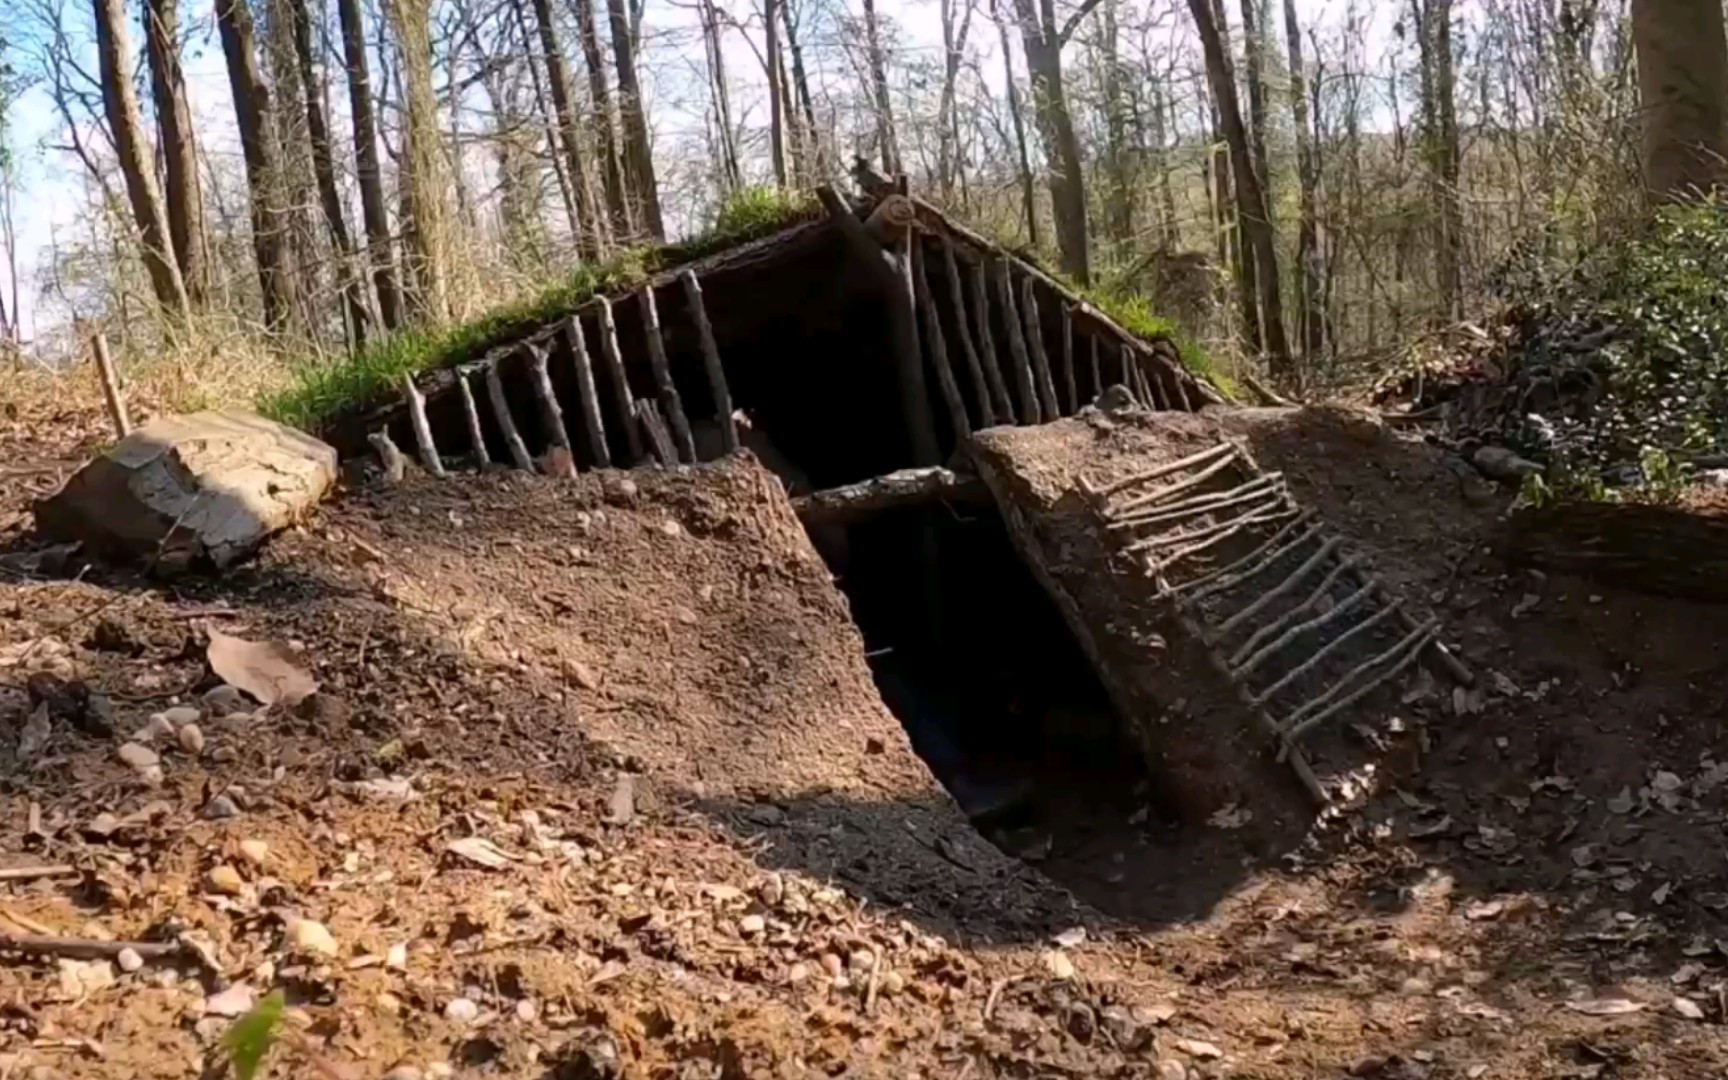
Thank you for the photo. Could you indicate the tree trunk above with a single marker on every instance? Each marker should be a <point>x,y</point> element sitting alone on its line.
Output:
<point>1433,20</point>
<point>183,191</point>
<point>423,164</point>
<point>252,114</point>
<point>1250,199</point>
<point>1170,232</point>
<point>1682,93</point>
<point>120,105</point>
<point>367,174</point>
<point>638,153</point>
<point>887,143</point>
<point>809,140</point>
<point>1043,47</point>
<point>731,175</point>
<point>612,181</point>
<point>1309,324</point>
<point>587,223</point>
<point>1017,118</point>
<point>776,112</point>
<point>1119,199</point>
<point>947,131</point>
<point>1254,67</point>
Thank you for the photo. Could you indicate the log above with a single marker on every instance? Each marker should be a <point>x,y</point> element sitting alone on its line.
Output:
<point>1177,383</point>
<point>593,424</point>
<point>551,413</point>
<point>957,300</point>
<point>654,430</point>
<point>935,346</point>
<point>669,399</point>
<point>1068,360</point>
<point>711,361</point>
<point>891,219</point>
<point>428,449</point>
<point>893,491</point>
<point>501,413</point>
<point>392,459</point>
<point>1001,404</point>
<point>1019,363</point>
<point>111,395</point>
<point>1332,646</point>
<point>1097,370</point>
<point>622,399</point>
<point>471,412</point>
<point>1035,344</point>
<point>893,279</point>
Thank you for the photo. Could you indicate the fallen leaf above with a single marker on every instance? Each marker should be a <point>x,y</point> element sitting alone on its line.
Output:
<point>1059,965</point>
<point>1071,938</point>
<point>1606,1006</point>
<point>1231,817</point>
<point>81,977</point>
<point>268,670</point>
<point>1197,1048</point>
<point>1663,891</point>
<point>478,849</point>
<point>1621,803</point>
<point>234,1001</point>
<point>1489,909</point>
<point>1422,832</point>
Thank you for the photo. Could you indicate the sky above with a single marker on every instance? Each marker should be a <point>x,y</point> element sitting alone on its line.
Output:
<point>51,184</point>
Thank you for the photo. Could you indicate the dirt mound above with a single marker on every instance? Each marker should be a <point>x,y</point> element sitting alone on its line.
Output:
<point>782,890</point>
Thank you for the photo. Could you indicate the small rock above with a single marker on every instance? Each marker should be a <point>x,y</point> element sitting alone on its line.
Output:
<point>227,880</point>
<point>527,1011</point>
<point>766,814</point>
<point>158,728</point>
<point>670,527</point>
<point>181,714</point>
<point>1499,463</point>
<point>860,962</point>
<point>1198,1048</point>
<point>307,936</point>
<point>254,851</point>
<point>772,890</point>
<point>237,1000</point>
<point>1058,964</point>
<point>192,740</point>
<point>799,972</point>
<point>751,925</point>
<point>143,761</point>
<point>129,960</point>
<point>224,700</point>
<point>892,983</point>
<point>220,808</point>
<point>1415,986</point>
<point>832,965</point>
<point>1688,1008</point>
<point>1171,1069</point>
<point>461,1011</point>
<point>440,1070</point>
<point>397,958</point>
<point>222,755</point>
<point>581,674</point>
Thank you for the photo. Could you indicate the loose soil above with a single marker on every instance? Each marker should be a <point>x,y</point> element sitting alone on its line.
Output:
<point>721,858</point>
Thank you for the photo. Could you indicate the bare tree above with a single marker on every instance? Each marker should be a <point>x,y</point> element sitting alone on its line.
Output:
<point>612,181</point>
<point>1043,41</point>
<point>638,153</point>
<point>423,170</point>
<point>368,175</point>
<point>776,110</point>
<point>183,192</point>
<point>125,127</point>
<point>887,143</point>
<point>252,113</point>
<point>730,174</point>
<point>1309,325</point>
<point>1017,118</point>
<point>947,122</point>
<point>586,223</point>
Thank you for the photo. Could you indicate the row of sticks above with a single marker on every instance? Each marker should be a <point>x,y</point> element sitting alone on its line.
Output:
<point>1159,527</point>
<point>655,426</point>
<point>1028,360</point>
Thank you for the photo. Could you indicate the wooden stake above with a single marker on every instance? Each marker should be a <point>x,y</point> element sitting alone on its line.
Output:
<point>110,384</point>
<point>621,396</point>
<point>1148,394</point>
<point>1020,363</point>
<point>422,430</point>
<point>1097,371</point>
<point>1193,460</point>
<point>1001,404</point>
<point>669,399</point>
<point>476,434</point>
<point>1179,381</point>
<point>501,413</point>
<point>935,346</point>
<point>711,360</point>
<point>1068,360</point>
<point>551,413</point>
<point>593,423</point>
<point>1040,358</point>
<point>654,429</point>
<point>980,385</point>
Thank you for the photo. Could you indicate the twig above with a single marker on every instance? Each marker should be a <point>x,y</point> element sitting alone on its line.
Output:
<point>1156,497</point>
<point>1232,580</point>
<point>1244,668</point>
<point>1189,462</point>
<point>993,996</point>
<point>875,981</point>
<point>1201,504</point>
<point>1277,625</point>
<point>31,873</point>
<point>1223,571</point>
<point>84,948</point>
<point>1313,661</point>
<point>1296,577</point>
<point>1411,647</point>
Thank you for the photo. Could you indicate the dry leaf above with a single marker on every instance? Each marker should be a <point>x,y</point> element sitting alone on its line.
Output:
<point>1621,803</point>
<point>478,849</point>
<point>1231,817</point>
<point>268,670</point>
<point>1071,938</point>
<point>1490,909</point>
<point>1688,1008</point>
<point>1606,1006</point>
<point>1059,965</point>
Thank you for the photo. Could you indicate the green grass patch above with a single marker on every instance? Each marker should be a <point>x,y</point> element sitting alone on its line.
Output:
<point>1134,314</point>
<point>320,391</point>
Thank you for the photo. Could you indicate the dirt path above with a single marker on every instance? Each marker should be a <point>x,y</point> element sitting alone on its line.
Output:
<point>778,888</point>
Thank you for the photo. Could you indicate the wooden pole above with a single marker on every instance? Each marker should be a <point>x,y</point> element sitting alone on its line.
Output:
<point>422,430</point>
<point>1001,404</point>
<point>593,424</point>
<point>1020,363</point>
<point>1068,360</point>
<point>956,299</point>
<point>654,429</point>
<point>621,396</point>
<point>476,435</point>
<point>937,347</point>
<point>1040,358</point>
<point>669,398</point>
<point>110,384</point>
<point>551,413</point>
<point>711,360</point>
<point>501,413</point>
<point>1097,371</point>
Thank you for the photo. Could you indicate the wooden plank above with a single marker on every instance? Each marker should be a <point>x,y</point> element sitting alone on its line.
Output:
<point>935,345</point>
<point>622,399</point>
<point>669,399</point>
<point>593,423</point>
<point>551,413</point>
<point>711,361</point>
<point>654,429</point>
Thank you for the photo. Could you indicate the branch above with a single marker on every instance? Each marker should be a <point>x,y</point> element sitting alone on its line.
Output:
<point>1086,8</point>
